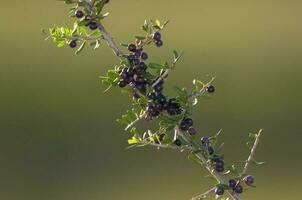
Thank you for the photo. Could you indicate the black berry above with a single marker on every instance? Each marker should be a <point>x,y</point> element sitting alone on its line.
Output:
<point>159,43</point>
<point>219,191</point>
<point>157,36</point>
<point>232,183</point>
<point>211,89</point>
<point>73,44</point>
<point>183,126</point>
<point>205,141</point>
<point>238,189</point>
<point>189,122</point>
<point>79,14</point>
<point>152,96</point>
<point>161,99</point>
<point>249,180</point>
<point>107,1</point>
<point>177,142</point>
<point>192,131</point>
<point>122,83</point>
<point>144,56</point>
<point>132,47</point>
<point>93,25</point>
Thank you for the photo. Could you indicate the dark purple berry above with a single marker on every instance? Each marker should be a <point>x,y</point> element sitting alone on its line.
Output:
<point>122,83</point>
<point>136,62</point>
<point>161,99</point>
<point>158,88</point>
<point>238,189</point>
<point>157,36</point>
<point>93,25</point>
<point>192,131</point>
<point>249,180</point>
<point>219,163</point>
<point>232,183</point>
<point>79,14</point>
<point>152,96</point>
<point>159,43</point>
<point>130,71</point>
<point>211,89</point>
<point>183,126</point>
<point>219,191</point>
<point>220,169</point>
<point>131,58</point>
<point>132,47</point>
<point>189,122</point>
<point>177,142</point>
<point>144,56</point>
<point>107,1</point>
<point>205,141</point>
<point>158,106</point>
<point>73,44</point>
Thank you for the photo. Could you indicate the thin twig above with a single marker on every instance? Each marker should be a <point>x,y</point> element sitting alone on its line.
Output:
<point>253,151</point>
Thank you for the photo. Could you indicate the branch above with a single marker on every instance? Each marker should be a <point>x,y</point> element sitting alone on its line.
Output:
<point>252,154</point>
<point>117,51</point>
<point>207,165</point>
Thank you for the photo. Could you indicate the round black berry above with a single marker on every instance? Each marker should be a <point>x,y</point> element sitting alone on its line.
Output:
<point>220,169</point>
<point>122,83</point>
<point>183,126</point>
<point>93,25</point>
<point>219,163</point>
<point>79,14</point>
<point>157,36</point>
<point>238,189</point>
<point>249,180</point>
<point>232,183</point>
<point>159,43</point>
<point>205,140</point>
<point>144,56</point>
<point>73,44</point>
<point>219,191</point>
<point>131,58</point>
<point>189,122</point>
<point>152,96</point>
<point>177,142</point>
<point>211,89</point>
<point>136,62</point>
<point>161,99</point>
<point>158,88</point>
<point>132,47</point>
<point>192,131</point>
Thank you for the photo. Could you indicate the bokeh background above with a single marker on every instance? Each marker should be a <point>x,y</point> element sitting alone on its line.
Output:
<point>59,139</point>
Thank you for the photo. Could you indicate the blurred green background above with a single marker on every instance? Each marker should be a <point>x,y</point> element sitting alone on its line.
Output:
<point>59,138</point>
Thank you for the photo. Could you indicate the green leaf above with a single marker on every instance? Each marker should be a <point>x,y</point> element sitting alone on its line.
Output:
<point>140,37</point>
<point>156,66</point>
<point>80,49</point>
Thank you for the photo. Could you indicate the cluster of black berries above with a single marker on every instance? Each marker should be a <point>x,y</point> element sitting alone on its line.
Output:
<point>235,185</point>
<point>92,23</point>
<point>159,103</point>
<point>187,125</point>
<point>157,39</point>
<point>134,75</point>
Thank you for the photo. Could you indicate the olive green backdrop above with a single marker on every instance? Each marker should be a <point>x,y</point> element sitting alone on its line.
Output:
<point>59,139</point>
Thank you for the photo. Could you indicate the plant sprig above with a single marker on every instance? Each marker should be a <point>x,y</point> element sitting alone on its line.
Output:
<point>144,82</point>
